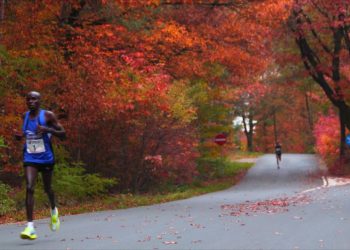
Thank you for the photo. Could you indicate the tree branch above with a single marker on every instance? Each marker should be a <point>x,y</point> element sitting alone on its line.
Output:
<point>337,35</point>
<point>311,65</point>
<point>314,33</point>
<point>346,37</point>
<point>323,12</point>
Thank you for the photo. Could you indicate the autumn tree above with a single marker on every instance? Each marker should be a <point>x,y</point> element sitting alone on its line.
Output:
<point>247,107</point>
<point>141,86</point>
<point>321,31</point>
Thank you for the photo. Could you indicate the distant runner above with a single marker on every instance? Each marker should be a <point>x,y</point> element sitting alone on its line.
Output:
<point>38,127</point>
<point>278,151</point>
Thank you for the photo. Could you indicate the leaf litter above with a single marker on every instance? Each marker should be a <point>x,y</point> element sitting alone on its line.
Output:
<point>169,242</point>
<point>272,206</point>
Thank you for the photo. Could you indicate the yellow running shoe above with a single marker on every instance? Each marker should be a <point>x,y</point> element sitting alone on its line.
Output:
<point>55,221</point>
<point>29,234</point>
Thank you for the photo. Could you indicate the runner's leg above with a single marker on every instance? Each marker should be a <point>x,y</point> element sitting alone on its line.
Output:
<point>31,174</point>
<point>47,179</point>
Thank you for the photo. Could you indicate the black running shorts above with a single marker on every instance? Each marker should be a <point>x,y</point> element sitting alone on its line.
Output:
<point>40,166</point>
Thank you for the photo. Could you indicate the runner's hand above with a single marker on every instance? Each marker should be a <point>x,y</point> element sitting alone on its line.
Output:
<point>42,129</point>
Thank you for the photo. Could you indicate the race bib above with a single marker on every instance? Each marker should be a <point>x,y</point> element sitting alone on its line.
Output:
<point>35,145</point>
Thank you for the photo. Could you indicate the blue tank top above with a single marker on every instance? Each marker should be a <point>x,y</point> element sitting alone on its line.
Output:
<point>37,148</point>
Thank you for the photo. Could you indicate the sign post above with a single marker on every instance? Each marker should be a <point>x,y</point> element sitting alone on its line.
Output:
<point>221,139</point>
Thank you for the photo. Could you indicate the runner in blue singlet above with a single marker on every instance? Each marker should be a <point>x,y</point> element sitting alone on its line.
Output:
<point>38,127</point>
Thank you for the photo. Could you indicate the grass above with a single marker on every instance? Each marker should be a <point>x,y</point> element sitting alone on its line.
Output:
<point>232,173</point>
<point>242,154</point>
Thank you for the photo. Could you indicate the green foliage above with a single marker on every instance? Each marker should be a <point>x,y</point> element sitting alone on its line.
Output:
<point>2,143</point>
<point>212,116</point>
<point>216,70</point>
<point>133,77</point>
<point>15,71</point>
<point>218,167</point>
<point>2,146</point>
<point>134,25</point>
<point>199,92</point>
<point>73,184</point>
<point>142,23</point>
<point>6,203</point>
<point>180,102</point>
<point>111,12</point>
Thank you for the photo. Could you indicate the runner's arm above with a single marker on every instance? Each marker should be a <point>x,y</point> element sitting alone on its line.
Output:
<point>53,126</point>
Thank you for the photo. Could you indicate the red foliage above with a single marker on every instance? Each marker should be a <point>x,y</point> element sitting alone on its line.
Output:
<point>327,136</point>
<point>108,66</point>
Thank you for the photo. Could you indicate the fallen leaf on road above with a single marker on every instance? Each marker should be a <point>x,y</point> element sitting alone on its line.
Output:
<point>169,242</point>
<point>298,218</point>
<point>266,206</point>
<point>196,241</point>
<point>147,238</point>
<point>197,225</point>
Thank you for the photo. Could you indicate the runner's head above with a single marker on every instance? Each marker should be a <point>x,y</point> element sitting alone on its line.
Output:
<point>33,100</point>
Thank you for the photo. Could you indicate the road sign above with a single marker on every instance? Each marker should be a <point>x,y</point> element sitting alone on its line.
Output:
<point>220,139</point>
<point>347,140</point>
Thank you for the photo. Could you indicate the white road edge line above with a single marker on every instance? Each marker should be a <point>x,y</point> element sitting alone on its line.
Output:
<point>328,182</point>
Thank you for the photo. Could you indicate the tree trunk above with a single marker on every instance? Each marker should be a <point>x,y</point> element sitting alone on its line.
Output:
<point>128,171</point>
<point>248,131</point>
<point>2,11</point>
<point>308,111</point>
<point>265,141</point>
<point>342,132</point>
<point>345,110</point>
<point>275,127</point>
<point>250,141</point>
<point>2,16</point>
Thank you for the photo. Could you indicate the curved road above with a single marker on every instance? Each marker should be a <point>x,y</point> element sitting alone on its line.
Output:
<point>290,208</point>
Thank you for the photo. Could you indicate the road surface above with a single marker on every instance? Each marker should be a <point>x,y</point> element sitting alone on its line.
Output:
<point>294,207</point>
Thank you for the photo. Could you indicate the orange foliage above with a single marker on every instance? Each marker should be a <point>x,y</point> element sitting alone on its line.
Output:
<point>107,68</point>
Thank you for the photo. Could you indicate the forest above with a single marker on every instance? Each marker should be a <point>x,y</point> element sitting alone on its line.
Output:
<point>142,87</point>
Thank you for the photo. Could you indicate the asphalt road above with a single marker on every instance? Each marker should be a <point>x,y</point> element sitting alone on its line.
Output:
<point>290,208</point>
